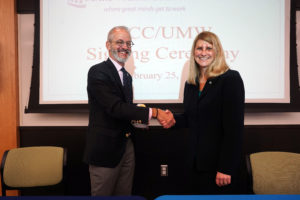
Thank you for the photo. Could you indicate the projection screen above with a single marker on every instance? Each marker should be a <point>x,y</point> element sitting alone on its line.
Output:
<point>254,35</point>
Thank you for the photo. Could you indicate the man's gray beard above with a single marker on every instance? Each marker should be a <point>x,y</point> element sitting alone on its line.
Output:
<point>121,60</point>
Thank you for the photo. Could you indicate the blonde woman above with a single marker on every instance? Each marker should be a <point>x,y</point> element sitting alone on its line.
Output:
<point>214,113</point>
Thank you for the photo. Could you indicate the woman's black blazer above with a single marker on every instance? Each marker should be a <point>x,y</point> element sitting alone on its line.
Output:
<point>215,120</point>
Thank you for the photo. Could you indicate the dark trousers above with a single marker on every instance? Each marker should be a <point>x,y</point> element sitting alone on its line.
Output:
<point>205,183</point>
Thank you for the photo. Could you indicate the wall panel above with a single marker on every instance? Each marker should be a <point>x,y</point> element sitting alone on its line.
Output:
<point>155,147</point>
<point>9,119</point>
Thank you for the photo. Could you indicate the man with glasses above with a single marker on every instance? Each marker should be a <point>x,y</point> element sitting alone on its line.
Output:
<point>109,149</point>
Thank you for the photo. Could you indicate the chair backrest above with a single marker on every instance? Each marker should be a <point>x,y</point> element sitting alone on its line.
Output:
<point>274,172</point>
<point>30,167</point>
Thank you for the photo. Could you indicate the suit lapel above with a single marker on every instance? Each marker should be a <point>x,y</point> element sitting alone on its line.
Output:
<point>208,86</point>
<point>115,75</point>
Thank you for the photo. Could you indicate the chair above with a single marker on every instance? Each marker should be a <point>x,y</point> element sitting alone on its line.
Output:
<point>28,168</point>
<point>274,172</point>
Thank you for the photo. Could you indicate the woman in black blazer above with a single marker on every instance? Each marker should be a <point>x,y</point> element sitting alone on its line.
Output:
<point>214,113</point>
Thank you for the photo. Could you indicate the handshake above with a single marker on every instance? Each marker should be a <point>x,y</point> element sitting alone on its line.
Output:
<point>164,117</point>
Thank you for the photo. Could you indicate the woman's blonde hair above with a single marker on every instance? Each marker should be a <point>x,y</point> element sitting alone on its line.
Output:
<point>217,67</point>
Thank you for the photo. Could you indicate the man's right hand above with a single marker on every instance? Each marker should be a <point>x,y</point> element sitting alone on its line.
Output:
<point>165,118</point>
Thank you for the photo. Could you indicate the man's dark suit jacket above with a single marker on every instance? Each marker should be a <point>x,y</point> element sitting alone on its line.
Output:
<point>215,121</point>
<point>110,116</point>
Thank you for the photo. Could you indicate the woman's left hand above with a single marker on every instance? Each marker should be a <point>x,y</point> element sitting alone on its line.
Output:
<point>222,179</point>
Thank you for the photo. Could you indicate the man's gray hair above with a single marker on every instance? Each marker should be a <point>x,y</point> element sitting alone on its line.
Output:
<point>111,32</point>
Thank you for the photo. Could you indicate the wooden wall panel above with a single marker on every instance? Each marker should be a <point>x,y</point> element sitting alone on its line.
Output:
<point>8,77</point>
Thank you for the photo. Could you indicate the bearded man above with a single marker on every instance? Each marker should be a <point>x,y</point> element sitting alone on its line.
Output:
<point>109,148</point>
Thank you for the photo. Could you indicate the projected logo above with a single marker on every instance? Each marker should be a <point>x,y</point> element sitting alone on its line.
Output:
<point>77,3</point>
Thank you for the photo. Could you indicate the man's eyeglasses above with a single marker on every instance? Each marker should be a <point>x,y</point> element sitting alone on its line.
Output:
<point>121,43</point>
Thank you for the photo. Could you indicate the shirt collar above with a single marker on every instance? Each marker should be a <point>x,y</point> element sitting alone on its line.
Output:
<point>117,65</point>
